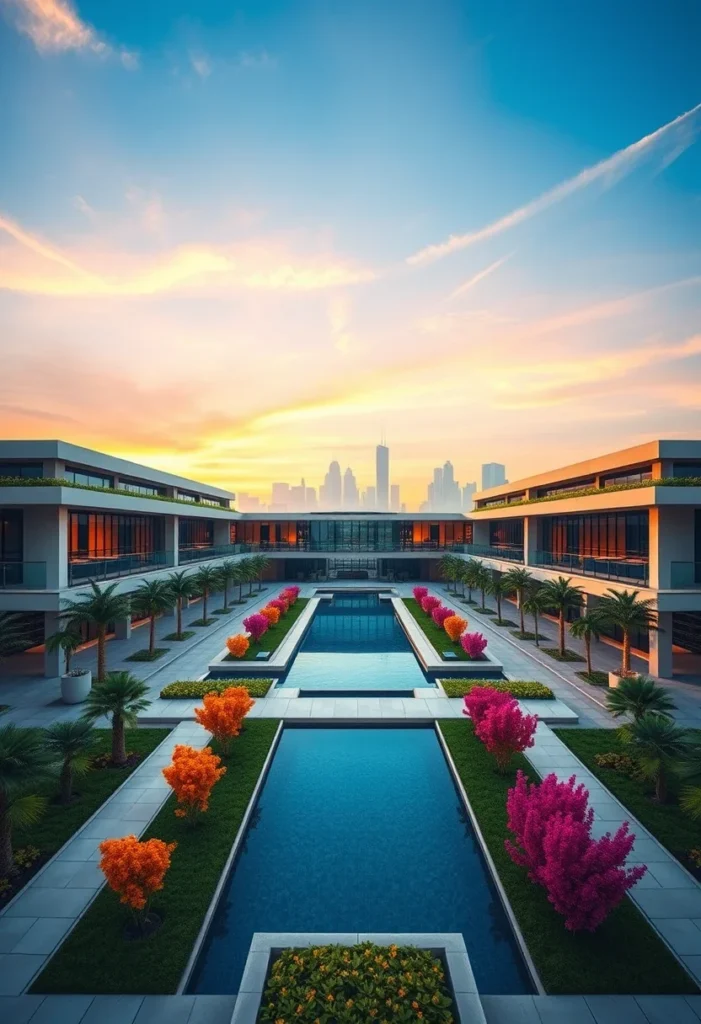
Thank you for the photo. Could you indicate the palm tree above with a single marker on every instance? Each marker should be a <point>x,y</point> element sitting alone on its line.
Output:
<point>481,579</point>
<point>536,603</point>
<point>227,573</point>
<point>122,696</point>
<point>499,588</point>
<point>469,574</point>
<point>658,746</point>
<point>638,696</point>
<point>71,744</point>
<point>100,607</point>
<point>14,634</point>
<point>67,640</point>
<point>448,569</point>
<point>248,571</point>
<point>25,763</point>
<point>238,577</point>
<point>180,585</point>
<point>519,581</point>
<point>562,596</point>
<point>152,599</point>
<point>587,626</point>
<point>625,610</point>
<point>690,770</point>
<point>260,564</point>
<point>206,580</point>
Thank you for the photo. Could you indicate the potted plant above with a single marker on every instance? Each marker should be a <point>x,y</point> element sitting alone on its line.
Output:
<point>75,683</point>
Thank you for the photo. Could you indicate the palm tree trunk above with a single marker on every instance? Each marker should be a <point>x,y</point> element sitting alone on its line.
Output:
<point>205,595</point>
<point>626,651</point>
<point>66,782</point>
<point>535,622</point>
<point>661,787</point>
<point>180,616</point>
<point>119,750</point>
<point>498,607</point>
<point>483,599</point>
<point>7,860</point>
<point>561,631</point>
<point>587,650</point>
<point>520,611</point>
<point>226,593</point>
<point>101,653</point>
<point>152,634</point>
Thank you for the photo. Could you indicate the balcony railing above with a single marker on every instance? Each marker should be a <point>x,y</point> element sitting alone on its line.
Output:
<point>197,554</point>
<point>22,575</point>
<point>201,554</point>
<point>507,553</point>
<point>588,565</point>
<point>685,575</point>
<point>113,568</point>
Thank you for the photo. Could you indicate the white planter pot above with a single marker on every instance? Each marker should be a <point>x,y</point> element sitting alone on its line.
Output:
<point>75,689</point>
<point>615,678</point>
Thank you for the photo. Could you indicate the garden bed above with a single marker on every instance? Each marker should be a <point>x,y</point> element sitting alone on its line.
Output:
<point>624,956</point>
<point>521,689</point>
<point>146,655</point>
<point>674,829</point>
<point>193,689</point>
<point>274,635</point>
<point>528,635</point>
<point>594,678</point>
<point>185,635</point>
<point>95,958</point>
<point>59,821</point>
<point>554,652</point>
<point>436,636</point>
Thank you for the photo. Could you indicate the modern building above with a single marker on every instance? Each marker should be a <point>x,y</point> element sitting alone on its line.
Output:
<point>382,477</point>
<point>444,491</point>
<point>468,500</point>
<point>493,475</point>
<point>350,490</point>
<point>394,499</point>
<point>627,520</point>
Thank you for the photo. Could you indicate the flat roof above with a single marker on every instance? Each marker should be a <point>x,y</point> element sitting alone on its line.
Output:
<point>426,517</point>
<point>91,459</point>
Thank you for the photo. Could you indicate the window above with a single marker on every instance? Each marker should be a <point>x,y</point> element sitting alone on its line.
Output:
<point>632,476</point>
<point>11,543</point>
<point>131,485</point>
<point>196,533</point>
<point>184,496</point>
<point>28,470</point>
<point>506,533</point>
<point>87,477</point>
<point>97,535</point>
<point>574,485</point>
<point>688,469</point>
<point>617,535</point>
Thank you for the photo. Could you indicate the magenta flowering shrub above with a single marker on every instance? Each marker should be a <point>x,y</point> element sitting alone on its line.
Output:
<point>440,614</point>
<point>482,697</point>
<point>585,878</point>
<point>419,593</point>
<point>290,594</point>
<point>430,602</point>
<point>281,605</point>
<point>256,625</point>
<point>506,731</point>
<point>473,644</point>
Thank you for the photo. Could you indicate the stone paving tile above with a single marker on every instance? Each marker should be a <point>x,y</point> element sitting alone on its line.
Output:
<point>671,903</point>
<point>37,902</point>
<point>682,934</point>
<point>19,1009</point>
<point>44,935</point>
<point>165,1010</point>
<point>16,928</point>
<point>113,1010</point>
<point>557,1009</point>
<point>664,1009</point>
<point>510,1010</point>
<point>615,1010</point>
<point>210,1010</point>
<point>16,971</point>
<point>695,1004</point>
<point>693,963</point>
<point>62,1010</point>
<point>672,876</point>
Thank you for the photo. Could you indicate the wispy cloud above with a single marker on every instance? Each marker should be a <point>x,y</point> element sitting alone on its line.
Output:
<point>468,285</point>
<point>670,141</point>
<point>201,64</point>
<point>55,26</point>
<point>259,60</point>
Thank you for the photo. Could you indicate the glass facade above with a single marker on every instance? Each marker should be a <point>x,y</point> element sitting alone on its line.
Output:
<point>11,534</point>
<point>351,534</point>
<point>506,533</point>
<point>688,469</point>
<point>30,470</point>
<point>612,535</point>
<point>195,533</point>
<point>574,485</point>
<point>633,476</point>
<point>97,535</point>
<point>136,488</point>
<point>87,477</point>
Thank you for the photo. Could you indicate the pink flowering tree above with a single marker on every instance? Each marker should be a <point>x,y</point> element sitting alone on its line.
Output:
<point>291,593</point>
<point>506,731</point>
<point>430,602</point>
<point>256,625</point>
<point>480,698</point>
<point>281,606</point>
<point>473,644</point>
<point>420,593</point>
<point>530,806</point>
<point>440,614</point>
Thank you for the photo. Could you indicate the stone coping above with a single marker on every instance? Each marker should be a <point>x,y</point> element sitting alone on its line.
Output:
<point>449,946</point>
<point>279,660</point>
<point>428,656</point>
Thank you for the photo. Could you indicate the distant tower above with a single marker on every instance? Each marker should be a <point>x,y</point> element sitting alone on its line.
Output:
<point>382,477</point>
<point>437,495</point>
<point>370,499</point>
<point>467,496</point>
<point>394,502</point>
<point>493,475</point>
<point>350,490</point>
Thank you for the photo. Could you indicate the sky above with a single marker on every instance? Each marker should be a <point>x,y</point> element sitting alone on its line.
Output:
<point>240,240</point>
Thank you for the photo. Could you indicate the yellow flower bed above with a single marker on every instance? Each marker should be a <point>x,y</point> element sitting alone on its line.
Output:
<point>521,690</point>
<point>194,689</point>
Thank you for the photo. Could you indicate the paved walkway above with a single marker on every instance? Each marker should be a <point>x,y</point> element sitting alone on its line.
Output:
<point>668,896</point>
<point>39,917</point>
<point>592,1009</point>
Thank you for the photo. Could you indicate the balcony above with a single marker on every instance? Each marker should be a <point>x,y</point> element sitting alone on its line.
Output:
<point>685,575</point>
<point>621,569</point>
<point>509,553</point>
<point>22,575</point>
<point>115,567</point>
<point>201,554</point>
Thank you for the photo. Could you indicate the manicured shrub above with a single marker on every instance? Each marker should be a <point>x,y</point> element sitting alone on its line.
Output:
<point>479,699</point>
<point>419,593</point>
<point>622,763</point>
<point>271,613</point>
<point>440,614</point>
<point>290,594</point>
<point>506,731</point>
<point>454,626</point>
<point>473,644</point>
<point>191,776</point>
<point>429,602</point>
<point>195,688</point>
<point>223,714</point>
<point>279,605</point>
<point>256,625</point>
<point>135,870</point>
<point>530,806</point>
<point>520,690</point>
<point>237,645</point>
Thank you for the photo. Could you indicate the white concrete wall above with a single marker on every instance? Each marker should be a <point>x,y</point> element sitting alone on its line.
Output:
<point>671,540</point>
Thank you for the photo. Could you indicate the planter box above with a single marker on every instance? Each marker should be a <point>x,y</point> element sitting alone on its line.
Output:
<point>75,689</point>
<point>615,678</point>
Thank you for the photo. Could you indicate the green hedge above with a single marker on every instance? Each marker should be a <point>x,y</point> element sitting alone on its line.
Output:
<point>274,635</point>
<point>624,956</point>
<point>96,958</point>
<point>682,481</point>
<point>46,481</point>
<point>524,690</point>
<point>192,689</point>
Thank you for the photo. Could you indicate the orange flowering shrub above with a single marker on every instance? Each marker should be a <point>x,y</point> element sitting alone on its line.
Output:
<point>135,870</point>
<point>223,714</point>
<point>192,776</point>
<point>271,613</point>
<point>237,645</point>
<point>455,626</point>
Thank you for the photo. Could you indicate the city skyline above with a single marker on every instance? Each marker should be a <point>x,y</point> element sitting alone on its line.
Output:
<point>240,245</point>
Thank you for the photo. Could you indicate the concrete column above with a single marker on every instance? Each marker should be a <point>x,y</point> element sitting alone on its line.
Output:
<point>221,533</point>
<point>671,540</point>
<point>480,532</point>
<point>530,539</point>
<point>122,628</point>
<point>54,469</point>
<point>172,539</point>
<point>54,661</point>
<point>661,654</point>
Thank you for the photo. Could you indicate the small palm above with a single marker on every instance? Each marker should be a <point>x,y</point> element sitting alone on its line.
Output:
<point>639,696</point>
<point>25,764</point>
<point>659,746</point>
<point>72,744</point>
<point>120,694</point>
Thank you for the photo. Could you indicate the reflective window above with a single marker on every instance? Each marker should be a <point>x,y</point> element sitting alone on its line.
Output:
<point>87,477</point>
<point>107,535</point>
<point>132,485</point>
<point>633,476</point>
<point>27,470</point>
<point>196,533</point>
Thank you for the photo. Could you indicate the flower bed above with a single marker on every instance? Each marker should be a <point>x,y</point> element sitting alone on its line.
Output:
<point>666,822</point>
<point>357,983</point>
<point>96,958</point>
<point>434,634</point>
<point>624,955</point>
<point>274,635</point>
<point>194,689</point>
<point>520,689</point>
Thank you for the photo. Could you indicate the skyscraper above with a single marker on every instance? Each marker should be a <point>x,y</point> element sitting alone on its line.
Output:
<point>436,496</point>
<point>382,477</point>
<point>298,497</point>
<point>467,492</point>
<point>493,474</point>
<point>451,490</point>
<point>333,487</point>
<point>369,499</point>
<point>280,497</point>
<point>350,490</point>
<point>394,502</point>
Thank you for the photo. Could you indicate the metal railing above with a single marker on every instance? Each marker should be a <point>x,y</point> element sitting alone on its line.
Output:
<point>201,554</point>
<point>113,568</point>
<point>509,554</point>
<point>587,565</point>
<point>22,575</point>
<point>685,575</point>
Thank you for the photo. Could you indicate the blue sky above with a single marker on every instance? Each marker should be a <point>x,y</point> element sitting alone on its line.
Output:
<point>224,231</point>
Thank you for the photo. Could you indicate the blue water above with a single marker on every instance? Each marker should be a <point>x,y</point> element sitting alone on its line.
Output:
<point>360,830</point>
<point>355,643</point>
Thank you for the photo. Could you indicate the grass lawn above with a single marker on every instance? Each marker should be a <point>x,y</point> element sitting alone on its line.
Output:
<point>274,636</point>
<point>596,678</point>
<point>485,610</point>
<point>666,822</point>
<point>569,655</point>
<point>527,635</point>
<point>96,958</point>
<point>179,637</point>
<point>504,622</point>
<point>146,655</point>
<point>624,956</point>
<point>438,637</point>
